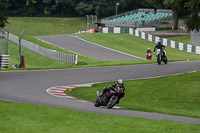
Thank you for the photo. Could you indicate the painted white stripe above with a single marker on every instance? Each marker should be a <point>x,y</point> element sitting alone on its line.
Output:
<point>137,33</point>
<point>172,44</point>
<point>189,48</point>
<point>143,35</point>
<point>180,46</point>
<point>198,49</point>
<point>157,39</point>
<point>105,30</point>
<point>56,91</point>
<point>165,41</point>
<point>150,38</point>
<point>131,31</point>
<point>117,30</point>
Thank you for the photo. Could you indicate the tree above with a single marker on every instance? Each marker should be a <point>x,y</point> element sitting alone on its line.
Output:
<point>3,19</point>
<point>193,21</point>
<point>177,7</point>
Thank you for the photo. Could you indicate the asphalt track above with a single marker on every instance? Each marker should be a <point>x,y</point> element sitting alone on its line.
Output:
<point>30,86</point>
<point>85,48</point>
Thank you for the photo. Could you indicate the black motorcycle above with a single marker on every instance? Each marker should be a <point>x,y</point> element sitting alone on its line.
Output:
<point>160,57</point>
<point>109,98</point>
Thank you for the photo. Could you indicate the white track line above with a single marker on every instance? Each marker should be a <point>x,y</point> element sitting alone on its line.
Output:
<point>108,48</point>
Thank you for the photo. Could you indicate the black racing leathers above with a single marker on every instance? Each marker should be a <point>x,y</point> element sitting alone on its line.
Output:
<point>161,47</point>
<point>106,89</point>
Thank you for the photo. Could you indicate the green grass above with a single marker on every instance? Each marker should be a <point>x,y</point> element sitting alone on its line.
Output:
<point>183,39</point>
<point>33,60</point>
<point>23,118</point>
<point>45,25</point>
<point>137,46</point>
<point>177,95</point>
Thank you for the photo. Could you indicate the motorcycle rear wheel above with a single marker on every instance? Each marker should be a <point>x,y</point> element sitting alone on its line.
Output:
<point>113,100</point>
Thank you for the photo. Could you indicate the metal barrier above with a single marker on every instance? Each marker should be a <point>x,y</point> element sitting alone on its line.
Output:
<point>52,54</point>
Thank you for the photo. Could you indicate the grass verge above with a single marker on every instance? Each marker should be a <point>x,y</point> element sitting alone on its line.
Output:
<point>176,95</point>
<point>33,60</point>
<point>45,25</point>
<point>137,46</point>
<point>23,118</point>
<point>183,39</point>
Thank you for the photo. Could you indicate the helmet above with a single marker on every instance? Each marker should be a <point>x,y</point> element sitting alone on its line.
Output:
<point>159,41</point>
<point>120,81</point>
<point>148,48</point>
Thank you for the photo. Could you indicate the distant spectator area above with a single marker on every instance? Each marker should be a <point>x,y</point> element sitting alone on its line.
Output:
<point>140,18</point>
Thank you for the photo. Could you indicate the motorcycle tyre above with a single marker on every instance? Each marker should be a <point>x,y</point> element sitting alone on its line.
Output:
<point>159,61</point>
<point>165,61</point>
<point>97,103</point>
<point>110,105</point>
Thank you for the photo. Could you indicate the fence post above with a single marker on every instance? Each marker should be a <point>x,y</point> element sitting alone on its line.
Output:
<point>21,65</point>
<point>76,60</point>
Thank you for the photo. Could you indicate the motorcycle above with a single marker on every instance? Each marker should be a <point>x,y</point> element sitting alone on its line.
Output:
<point>161,57</point>
<point>109,98</point>
<point>149,56</point>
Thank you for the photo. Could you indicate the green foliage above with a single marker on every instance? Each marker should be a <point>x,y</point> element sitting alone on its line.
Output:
<point>192,7</point>
<point>193,22</point>
<point>3,19</point>
<point>68,7</point>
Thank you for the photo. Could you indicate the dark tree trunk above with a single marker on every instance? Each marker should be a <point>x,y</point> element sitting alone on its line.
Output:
<point>175,17</point>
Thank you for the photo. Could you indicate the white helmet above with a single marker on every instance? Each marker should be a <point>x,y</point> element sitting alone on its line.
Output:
<point>120,81</point>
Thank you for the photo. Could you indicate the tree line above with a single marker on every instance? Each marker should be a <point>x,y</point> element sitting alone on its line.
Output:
<point>67,8</point>
<point>102,8</point>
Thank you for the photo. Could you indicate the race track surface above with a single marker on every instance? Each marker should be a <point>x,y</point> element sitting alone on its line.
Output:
<point>30,86</point>
<point>86,48</point>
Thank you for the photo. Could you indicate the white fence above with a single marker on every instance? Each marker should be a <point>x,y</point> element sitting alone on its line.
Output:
<point>52,54</point>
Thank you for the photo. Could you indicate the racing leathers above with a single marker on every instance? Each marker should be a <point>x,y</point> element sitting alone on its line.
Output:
<point>161,47</point>
<point>120,86</point>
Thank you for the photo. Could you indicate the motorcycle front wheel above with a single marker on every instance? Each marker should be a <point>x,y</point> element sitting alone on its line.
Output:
<point>113,100</point>
<point>159,60</point>
<point>165,61</point>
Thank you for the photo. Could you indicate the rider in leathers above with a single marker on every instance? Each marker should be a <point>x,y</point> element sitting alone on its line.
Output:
<point>161,47</point>
<point>119,84</point>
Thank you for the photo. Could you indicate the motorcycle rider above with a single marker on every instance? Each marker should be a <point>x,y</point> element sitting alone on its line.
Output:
<point>119,84</point>
<point>161,47</point>
<point>148,51</point>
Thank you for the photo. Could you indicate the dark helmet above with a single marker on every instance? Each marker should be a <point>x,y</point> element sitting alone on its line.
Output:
<point>159,42</point>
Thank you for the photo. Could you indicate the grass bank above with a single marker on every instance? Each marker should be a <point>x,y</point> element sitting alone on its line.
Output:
<point>46,25</point>
<point>23,118</point>
<point>183,39</point>
<point>33,60</point>
<point>136,46</point>
<point>177,95</point>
